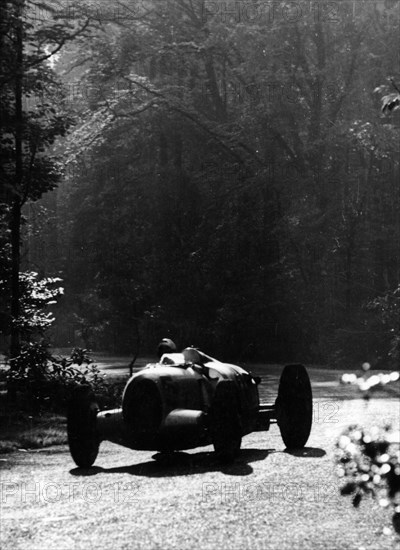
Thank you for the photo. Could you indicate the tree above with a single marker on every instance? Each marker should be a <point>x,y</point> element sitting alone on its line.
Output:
<point>241,189</point>
<point>33,116</point>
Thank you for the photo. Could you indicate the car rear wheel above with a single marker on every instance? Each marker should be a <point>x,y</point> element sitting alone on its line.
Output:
<point>294,406</point>
<point>83,439</point>
<point>225,425</point>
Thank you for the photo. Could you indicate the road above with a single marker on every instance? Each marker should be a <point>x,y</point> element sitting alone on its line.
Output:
<point>267,499</point>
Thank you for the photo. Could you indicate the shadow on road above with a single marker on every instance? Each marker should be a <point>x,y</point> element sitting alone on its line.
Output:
<point>306,452</point>
<point>181,464</point>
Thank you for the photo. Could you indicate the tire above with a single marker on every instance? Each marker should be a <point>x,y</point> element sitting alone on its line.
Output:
<point>294,407</point>
<point>83,439</point>
<point>225,425</point>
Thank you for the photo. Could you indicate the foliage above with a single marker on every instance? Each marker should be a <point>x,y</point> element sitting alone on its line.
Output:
<point>33,116</point>
<point>387,310</point>
<point>233,177</point>
<point>390,101</point>
<point>44,114</point>
<point>35,295</point>
<point>238,182</point>
<point>46,382</point>
<point>30,365</point>
<point>369,463</point>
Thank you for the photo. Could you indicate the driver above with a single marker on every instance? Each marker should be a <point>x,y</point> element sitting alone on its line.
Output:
<point>165,346</point>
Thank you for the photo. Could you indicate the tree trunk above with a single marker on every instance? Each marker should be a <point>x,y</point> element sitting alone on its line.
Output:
<point>15,227</point>
<point>15,222</point>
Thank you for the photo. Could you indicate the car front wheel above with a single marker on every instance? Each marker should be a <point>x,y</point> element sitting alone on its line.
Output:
<point>83,438</point>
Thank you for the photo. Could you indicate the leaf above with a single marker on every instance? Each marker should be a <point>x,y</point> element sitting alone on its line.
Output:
<point>357,499</point>
<point>396,522</point>
<point>348,488</point>
<point>390,102</point>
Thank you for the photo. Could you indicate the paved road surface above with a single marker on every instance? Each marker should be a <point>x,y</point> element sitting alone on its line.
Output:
<point>268,499</point>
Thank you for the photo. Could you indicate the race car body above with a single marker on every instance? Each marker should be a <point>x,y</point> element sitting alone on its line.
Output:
<point>188,400</point>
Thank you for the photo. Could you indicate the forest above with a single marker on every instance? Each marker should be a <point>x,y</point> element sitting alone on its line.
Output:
<point>225,174</point>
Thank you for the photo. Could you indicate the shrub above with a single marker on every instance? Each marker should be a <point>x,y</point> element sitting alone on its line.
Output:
<point>369,461</point>
<point>46,382</point>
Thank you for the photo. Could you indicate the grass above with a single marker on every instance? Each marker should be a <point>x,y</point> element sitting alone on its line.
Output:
<point>23,428</point>
<point>23,431</point>
<point>32,424</point>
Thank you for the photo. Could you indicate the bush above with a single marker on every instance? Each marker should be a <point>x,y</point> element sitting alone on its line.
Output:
<point>369,461</point>
<point>387,312</point>
<point>46,382</point>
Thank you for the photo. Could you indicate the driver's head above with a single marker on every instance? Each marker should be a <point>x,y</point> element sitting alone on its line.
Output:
<point>165,346</point>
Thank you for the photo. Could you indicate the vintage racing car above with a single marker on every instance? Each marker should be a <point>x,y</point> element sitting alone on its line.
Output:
<point>188,400</point>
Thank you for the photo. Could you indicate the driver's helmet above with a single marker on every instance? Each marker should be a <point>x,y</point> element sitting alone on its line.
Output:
<point>166,346</point>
